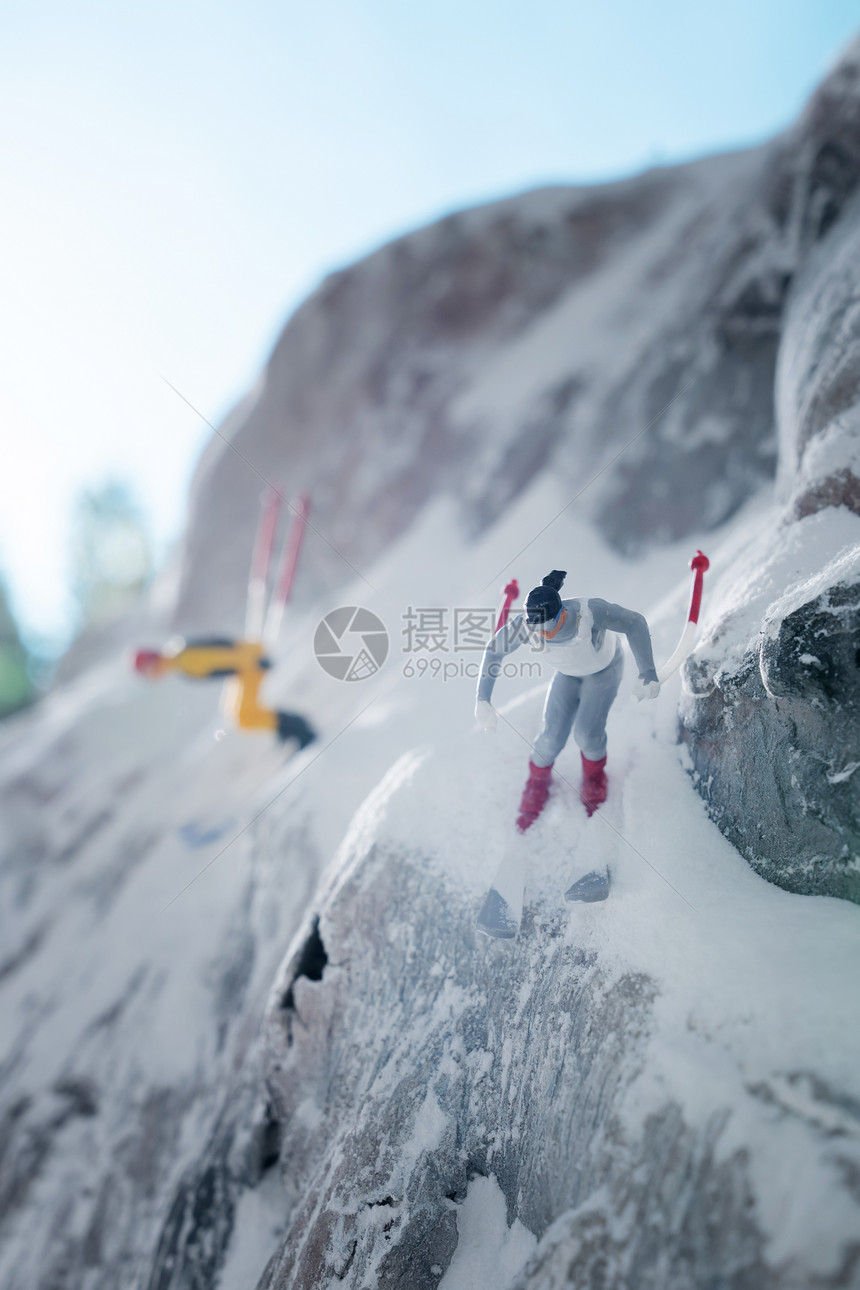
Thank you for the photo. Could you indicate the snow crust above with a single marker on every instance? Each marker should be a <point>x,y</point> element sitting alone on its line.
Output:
<point>770,570</point>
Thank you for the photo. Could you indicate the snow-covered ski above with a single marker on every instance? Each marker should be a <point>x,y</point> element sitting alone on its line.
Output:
<point>196,836</point>
<point>591,887</point>
<point>502,909</point>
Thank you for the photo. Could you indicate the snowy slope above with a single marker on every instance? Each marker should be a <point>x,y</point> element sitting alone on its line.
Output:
<point>624,1070</point>
<point>145,1120</point>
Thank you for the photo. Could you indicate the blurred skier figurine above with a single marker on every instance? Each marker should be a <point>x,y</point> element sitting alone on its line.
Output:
<point>579,639</point>
<point>246,665</point>
<point>245,661</point>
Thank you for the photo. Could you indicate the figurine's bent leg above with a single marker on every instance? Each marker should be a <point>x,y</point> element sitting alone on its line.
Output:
<point>293,726</point>
<point>243,704</point>
<point>559,711</point>
<point>534,795</point>
<point>598,693</point>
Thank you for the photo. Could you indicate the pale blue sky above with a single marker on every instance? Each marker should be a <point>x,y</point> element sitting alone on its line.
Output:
<point>178,176</point>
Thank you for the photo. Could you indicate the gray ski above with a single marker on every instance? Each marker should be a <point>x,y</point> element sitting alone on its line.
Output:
<point>503,907</point>
<point>594,886</point>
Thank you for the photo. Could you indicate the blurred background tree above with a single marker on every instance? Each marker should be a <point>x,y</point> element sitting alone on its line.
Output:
<point>16,686</point>
<point>110,552</point>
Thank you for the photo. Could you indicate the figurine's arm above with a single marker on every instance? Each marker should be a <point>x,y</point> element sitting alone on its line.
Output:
<point>216,658</point>
<point>505,641</point>
<point>203,660</point>
<point>634,626</point>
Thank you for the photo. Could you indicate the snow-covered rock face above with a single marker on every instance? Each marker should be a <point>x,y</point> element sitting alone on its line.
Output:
<point>627,332</point>
<point>460,1060</point>
<point>774,711</point>
<point>557,329</point>
<point>605,1101</point>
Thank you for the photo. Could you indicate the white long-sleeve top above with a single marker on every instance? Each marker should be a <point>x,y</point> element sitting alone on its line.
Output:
<point>584,644</point>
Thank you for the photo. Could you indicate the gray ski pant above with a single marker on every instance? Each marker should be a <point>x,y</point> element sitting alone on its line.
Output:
<point>582,702</point>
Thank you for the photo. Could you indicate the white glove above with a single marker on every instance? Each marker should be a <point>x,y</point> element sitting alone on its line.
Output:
<point>646,690</point>
<point>485,715</point>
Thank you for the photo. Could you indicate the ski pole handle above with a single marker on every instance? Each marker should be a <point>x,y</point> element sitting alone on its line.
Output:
<point>699,564</point>
<point>510,593</point>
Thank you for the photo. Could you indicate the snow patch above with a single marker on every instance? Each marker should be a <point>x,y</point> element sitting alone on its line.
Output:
<point>841,776</point>
<point>488,1253</point>
<point>428,1129</point>
<point>792,566</point>
<point>257,1228</point>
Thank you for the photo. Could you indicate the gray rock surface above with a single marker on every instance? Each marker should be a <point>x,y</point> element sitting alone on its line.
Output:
<point>776,752</point>
<point>404,1057</point>
<point>430,1032</point>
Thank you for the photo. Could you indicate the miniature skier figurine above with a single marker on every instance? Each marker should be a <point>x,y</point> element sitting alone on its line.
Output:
<point>246,665</point>
<point>579,638</point>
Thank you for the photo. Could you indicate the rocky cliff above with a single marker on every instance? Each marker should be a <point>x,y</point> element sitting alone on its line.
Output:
<point>772,716</point>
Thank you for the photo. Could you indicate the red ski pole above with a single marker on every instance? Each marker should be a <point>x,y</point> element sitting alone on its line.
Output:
<point>699,564</point>
<point>288,570</point>
<point>510,593</point>
<point>260,563</point>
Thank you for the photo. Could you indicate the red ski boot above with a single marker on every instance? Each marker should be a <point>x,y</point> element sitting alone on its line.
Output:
<point>594,783</point>
<point>534,795</point>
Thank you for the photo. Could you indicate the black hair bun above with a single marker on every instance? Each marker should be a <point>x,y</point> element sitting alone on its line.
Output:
<point>554,579</point>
